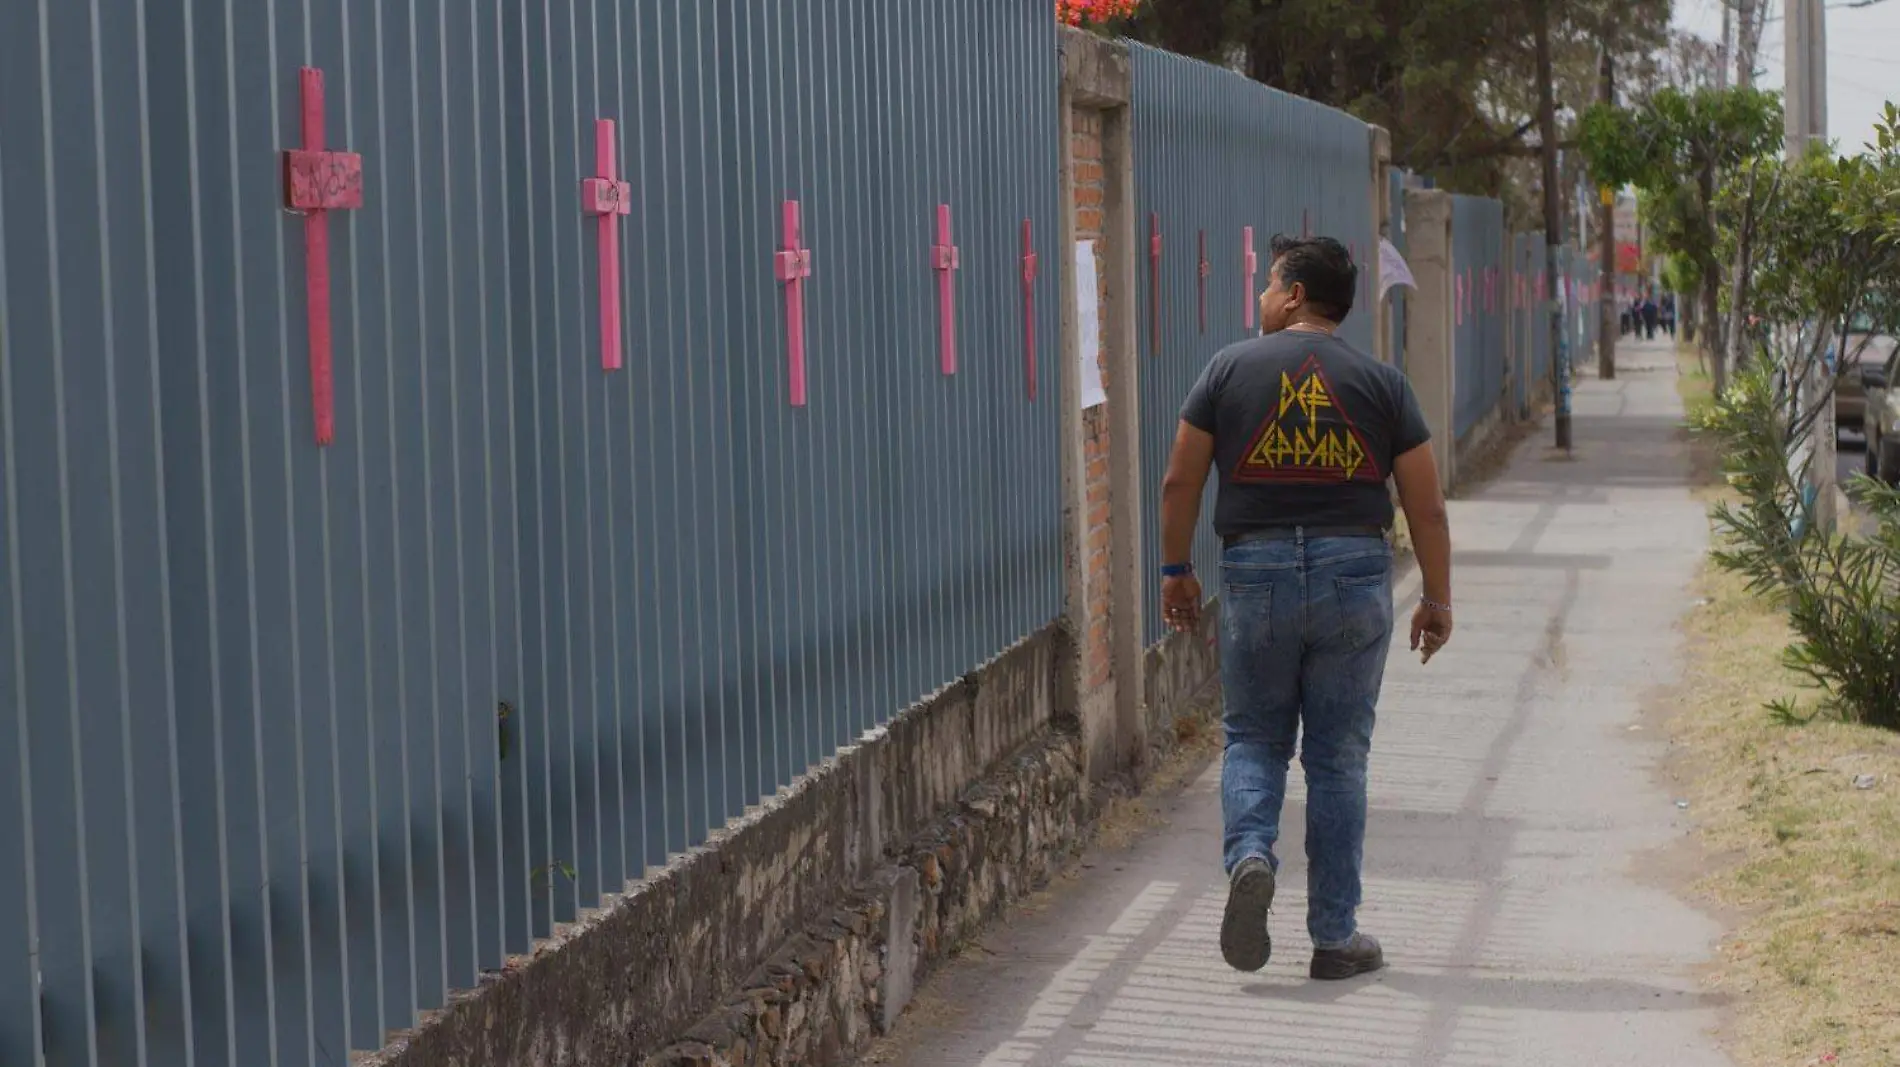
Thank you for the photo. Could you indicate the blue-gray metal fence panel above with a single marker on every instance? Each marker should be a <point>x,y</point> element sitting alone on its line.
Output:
<point>305,736</point>
<point>1522,359</point>
<point>1479,313</point>
<point>1533,315</point>
<point>1216,153</point>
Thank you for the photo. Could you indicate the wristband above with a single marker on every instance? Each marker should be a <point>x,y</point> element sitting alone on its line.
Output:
<point>1435,605</point>
<point>1176,570</point>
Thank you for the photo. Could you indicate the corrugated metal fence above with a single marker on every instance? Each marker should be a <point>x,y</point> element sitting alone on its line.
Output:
<point>1480,312</point>
<point>1530,319</point>
<point>1217,158</point>
<point>304,736</point>
<point>1582,308</point>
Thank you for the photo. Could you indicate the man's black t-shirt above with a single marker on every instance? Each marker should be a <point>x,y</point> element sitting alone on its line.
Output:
<point>1305,431</point>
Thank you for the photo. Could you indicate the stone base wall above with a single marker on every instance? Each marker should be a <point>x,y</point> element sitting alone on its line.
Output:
<point>975,790</point>
<point>847,977</point>
<point>1181,676</point>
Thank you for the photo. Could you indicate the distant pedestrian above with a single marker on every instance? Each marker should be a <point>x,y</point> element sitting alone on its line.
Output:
<point>1305,430</point>
<point>1669,314</point>
<point>1650,314</point>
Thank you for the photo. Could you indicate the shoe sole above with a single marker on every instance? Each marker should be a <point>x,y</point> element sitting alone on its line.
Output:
<point>1244,941</point>
<point>1336,970</point>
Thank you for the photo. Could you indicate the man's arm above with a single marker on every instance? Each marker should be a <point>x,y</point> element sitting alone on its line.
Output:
<point>1180,510</point>
<point>1181,491</point>
<point>1426,518</point>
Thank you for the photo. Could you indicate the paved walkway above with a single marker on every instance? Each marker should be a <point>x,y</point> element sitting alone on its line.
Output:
<point>1510,800</point>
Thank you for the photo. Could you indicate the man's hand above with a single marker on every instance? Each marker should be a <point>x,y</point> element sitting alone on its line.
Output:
<point>1181,603</point>
<point>1431,628</point>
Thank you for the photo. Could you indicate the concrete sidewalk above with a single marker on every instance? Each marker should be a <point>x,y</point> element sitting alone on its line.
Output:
<point>1511,798</point>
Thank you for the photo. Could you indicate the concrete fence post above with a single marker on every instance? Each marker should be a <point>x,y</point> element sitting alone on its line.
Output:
<point>1101,446</point>
<point>1429,357</point>
<point>1381,225</point>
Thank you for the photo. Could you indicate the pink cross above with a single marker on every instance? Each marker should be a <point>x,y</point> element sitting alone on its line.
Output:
<point>1202,270</point>
<point>1154,284</point>
<point>606,199</point>
<point>945,260</point>
<point>1251,264</point>
<point>317,182</point>
<point>1029,309</point>
<point>792,265</point>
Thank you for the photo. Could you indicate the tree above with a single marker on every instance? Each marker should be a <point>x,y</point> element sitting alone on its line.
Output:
<point>1454,80</point>
<point>1680,148</point>
<point>1825,252</point>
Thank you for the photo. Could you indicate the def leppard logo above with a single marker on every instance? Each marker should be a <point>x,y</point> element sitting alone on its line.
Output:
<point>1309,438</point>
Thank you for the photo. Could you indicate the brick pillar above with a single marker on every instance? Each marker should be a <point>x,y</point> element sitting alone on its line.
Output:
<point>1428,319</point>
<point>1097,651</point>
<point>1101,465</point>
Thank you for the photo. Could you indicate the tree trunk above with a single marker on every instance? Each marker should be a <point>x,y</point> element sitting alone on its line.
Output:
<point>1711,337</point>
<point>1712,342</point>
<point>1553,219</point>
<point>1606,223</point>
<point>1735,338</point>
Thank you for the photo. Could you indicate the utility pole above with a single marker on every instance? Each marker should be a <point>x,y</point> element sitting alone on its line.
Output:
<point>1722,50</point>
<point>1806,90</point>
<point>1553,220</point>
<point>1806,123</point>
<point>1750,14</point>
<point>1606,230</point>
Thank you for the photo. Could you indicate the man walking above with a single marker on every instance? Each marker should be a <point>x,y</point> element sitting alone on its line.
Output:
<point>1305,430</point>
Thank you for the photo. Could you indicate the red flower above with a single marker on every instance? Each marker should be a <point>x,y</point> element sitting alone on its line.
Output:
<point>1083,12</point>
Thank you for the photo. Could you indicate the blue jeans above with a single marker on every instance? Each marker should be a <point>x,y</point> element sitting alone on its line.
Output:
<point>1304,630</point>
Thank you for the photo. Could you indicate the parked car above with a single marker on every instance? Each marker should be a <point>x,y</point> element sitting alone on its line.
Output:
<point>1865,348</point>
<point>1880,417</point>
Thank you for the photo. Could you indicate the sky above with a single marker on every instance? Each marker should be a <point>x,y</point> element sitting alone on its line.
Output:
<point>1859,82</point>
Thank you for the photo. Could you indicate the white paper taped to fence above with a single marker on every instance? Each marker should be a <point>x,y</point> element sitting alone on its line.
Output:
<point>1089,322</point>
<point>1392,269</point>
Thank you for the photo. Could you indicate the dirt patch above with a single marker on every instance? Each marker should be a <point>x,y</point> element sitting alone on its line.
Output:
<point>1493,458</point>
<point>1799,829</point>
<point>1126,819</point>
<point>1698,396</point>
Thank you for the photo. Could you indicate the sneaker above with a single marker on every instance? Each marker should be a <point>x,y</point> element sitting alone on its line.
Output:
<point>1361,955</point>
<point>1244,942</point>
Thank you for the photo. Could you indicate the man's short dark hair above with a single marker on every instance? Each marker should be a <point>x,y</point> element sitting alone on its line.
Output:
<point>1324,267</point>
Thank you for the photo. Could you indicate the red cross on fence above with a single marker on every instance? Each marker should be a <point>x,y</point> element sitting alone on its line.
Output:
<point>1250,264</point>
<point>1029,309</point>
<point>791,264</point>
<point>317,182</point>
<point>1154,285</point>
<point>1201,270</point>
<point>606,199</point>
<point>945,260</point>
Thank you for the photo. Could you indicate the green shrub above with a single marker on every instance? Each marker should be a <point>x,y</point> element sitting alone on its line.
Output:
<point>1842,592</point>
